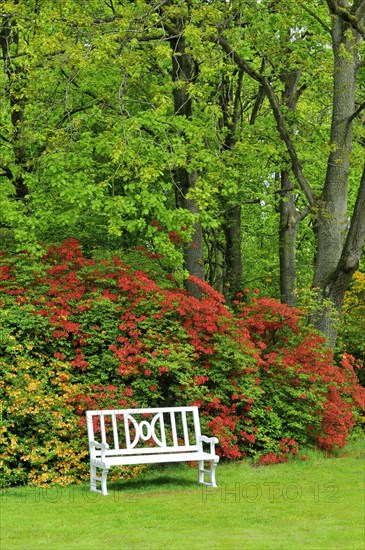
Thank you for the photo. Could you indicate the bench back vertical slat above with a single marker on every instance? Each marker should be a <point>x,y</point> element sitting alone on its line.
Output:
<point>162,428</point>
<point>196,422</point>
<point>115,431</point>
<point>173,428</point>
<point>90,432</point>
<point>185,428</point>
<point>102,429</point>
<point>126,431</point>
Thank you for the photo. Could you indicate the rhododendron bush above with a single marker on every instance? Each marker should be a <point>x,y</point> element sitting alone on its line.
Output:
<point>79,333</point>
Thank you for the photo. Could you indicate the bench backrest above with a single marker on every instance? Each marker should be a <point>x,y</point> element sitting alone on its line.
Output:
<point>144,431</point>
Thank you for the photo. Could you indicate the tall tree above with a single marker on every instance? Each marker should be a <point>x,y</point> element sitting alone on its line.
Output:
<point>339,246</point>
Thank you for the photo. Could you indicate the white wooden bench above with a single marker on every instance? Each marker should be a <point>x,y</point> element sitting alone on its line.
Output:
<point>147,436</point>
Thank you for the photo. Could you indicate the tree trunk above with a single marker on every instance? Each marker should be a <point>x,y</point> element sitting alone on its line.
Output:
<point>233,252</point>
<point>183,71</point>
<point>330,279</point>
<point>233,262</point>
<point>193,253</point>
<point>9,35</point>
<point>287,241</point>
<point>289,215</point>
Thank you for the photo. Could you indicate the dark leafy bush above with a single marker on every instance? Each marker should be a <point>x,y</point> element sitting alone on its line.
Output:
<point>352,328</point>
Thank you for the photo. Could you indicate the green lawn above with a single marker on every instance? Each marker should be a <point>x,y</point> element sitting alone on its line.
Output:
<point>317,504</point>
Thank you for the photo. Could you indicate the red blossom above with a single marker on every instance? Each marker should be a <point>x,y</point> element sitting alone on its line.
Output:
<point>157,224</point>
<point>200,380</point>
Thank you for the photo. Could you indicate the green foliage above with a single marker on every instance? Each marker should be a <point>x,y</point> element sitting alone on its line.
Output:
<point>352,328</point>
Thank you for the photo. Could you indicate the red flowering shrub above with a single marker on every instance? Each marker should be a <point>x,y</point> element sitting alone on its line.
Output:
<point>313,399</point>
<point>265,384</point>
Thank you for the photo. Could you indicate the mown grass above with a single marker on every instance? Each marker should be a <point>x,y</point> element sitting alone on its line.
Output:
<point>316,504</point>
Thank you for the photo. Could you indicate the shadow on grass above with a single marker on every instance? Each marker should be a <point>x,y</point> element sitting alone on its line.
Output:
<point>163,478</point>
<point>150,485</point>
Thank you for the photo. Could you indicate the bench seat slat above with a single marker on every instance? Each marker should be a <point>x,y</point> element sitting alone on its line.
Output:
<point>149,450</point>
<point>154,459</point>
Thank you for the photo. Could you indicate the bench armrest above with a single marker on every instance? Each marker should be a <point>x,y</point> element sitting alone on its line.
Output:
<point>95,445</point>
<point>211,440</point>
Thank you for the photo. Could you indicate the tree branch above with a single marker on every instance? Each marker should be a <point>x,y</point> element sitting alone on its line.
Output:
<point>315,16</point>
<point>347,16</point>
<point>280,121</point>
<point>360,108</point>
<point>351,252</point>
<point>116,16</point>
<point>13,56</point>
<point>6,172</point>
<point>69,114</point>
<point>356,235</point>
<point>5,139</point>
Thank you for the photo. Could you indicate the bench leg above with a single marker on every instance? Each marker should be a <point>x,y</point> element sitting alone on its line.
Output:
<point>94,478</point>
<point>104,475</point>
<point>211,472</point>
